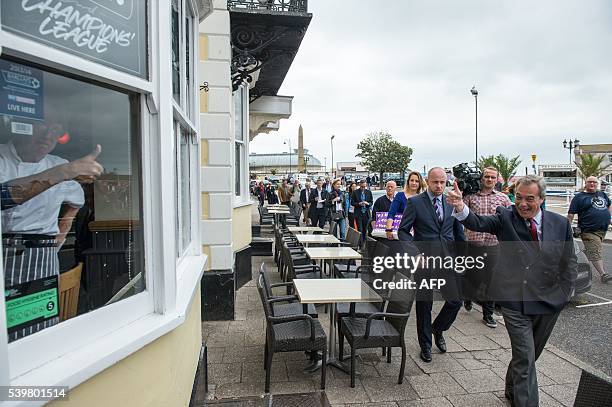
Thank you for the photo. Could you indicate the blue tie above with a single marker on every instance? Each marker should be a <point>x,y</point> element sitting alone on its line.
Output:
<point>363,198</point>
<point>437,208</point>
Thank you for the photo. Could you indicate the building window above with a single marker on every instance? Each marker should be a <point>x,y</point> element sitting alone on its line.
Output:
<point>182,23</point>
<point>57,225</point>
<point>241,141</point>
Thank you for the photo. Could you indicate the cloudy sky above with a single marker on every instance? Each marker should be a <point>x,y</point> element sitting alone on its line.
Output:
<point>543,71</point>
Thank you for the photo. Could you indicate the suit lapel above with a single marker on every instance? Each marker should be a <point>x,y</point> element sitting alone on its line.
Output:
<point>521,230</point>
<point>429,205</point>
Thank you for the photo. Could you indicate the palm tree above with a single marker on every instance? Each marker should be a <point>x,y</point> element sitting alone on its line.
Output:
<point>591,165</point>
<point>506,166</point>
<point>486,161</point>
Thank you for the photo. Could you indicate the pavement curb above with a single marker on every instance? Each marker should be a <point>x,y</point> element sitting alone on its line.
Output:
<point>562,354</point>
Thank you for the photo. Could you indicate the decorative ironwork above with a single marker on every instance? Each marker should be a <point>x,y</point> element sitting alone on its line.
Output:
<point>204,87</point>
<point>295,6</point>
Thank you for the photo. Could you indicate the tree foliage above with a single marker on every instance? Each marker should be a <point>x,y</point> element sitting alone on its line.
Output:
<point>486,161</point>
<point>380,153</point>
<point>506,166</point>
<point>591,165</point>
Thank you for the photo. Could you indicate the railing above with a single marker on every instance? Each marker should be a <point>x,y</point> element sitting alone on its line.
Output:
<point>296,6</point>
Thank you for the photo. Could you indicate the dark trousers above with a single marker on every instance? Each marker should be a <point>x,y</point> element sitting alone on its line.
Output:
<point>528,336</point>
<point>363,220</point>
<point>424,302</point>
<point>317,216</point>
<point>351,220</point>
<point>476,282</point>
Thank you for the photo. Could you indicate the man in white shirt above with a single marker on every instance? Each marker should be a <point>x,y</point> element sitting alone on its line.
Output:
<point>38,188</point>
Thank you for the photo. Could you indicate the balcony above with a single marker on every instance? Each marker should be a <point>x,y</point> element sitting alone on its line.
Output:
<point>291,6</point>
<point>265,37</point>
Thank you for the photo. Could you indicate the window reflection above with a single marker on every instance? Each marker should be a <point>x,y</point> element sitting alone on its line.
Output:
<point>70,175</point>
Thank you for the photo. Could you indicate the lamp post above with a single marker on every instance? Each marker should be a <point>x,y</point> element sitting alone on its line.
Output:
<point>474,93</point>
<point>325,165</point>
<point>331,140</point>
<point>306,159</point>
<point>570,145</point>
<point>288,142</point>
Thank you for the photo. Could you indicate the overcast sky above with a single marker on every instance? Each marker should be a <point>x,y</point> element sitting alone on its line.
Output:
<point>543,70</point>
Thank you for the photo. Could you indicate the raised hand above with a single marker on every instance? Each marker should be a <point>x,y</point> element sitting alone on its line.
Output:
<point>86,169</point>
<point>455,198</point>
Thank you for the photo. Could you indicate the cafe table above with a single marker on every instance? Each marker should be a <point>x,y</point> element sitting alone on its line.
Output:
<point>305,229</point>
<point>332,254</point>
<point>277,212</point>
<point>333,291</point>
<point>317,239</point>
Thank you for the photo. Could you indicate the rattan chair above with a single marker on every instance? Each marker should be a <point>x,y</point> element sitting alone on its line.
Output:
<point>283,305</point>
<point>292,333</point>
<point>379,330</point>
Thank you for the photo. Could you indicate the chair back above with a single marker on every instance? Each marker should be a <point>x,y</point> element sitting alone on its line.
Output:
<point>69,285</point>
<point>352,237</point>
<point>400,302</point>
<point>264,297</point>
<point>333,226</point>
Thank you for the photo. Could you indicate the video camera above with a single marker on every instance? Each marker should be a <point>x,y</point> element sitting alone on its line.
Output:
<point>469,178</point>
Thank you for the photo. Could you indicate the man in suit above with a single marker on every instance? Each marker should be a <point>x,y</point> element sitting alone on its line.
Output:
<point>317,210</point>
<point>362,200</point>
<point>533,280</point>
<point>427,222</point>
<point>305,201</point>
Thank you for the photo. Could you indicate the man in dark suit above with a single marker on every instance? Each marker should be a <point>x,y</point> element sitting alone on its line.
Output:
<point>305,200</point>
<point>317,210</point>
<point>427,222</point>
<point>362,200</point>
<point>533,280</point>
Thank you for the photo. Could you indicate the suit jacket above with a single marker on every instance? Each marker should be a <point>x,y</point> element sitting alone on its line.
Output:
<point>534,280</point>
<point>356,198</point>
<point>305,196</point>
<point>420,216</point>
<point>314,195</point>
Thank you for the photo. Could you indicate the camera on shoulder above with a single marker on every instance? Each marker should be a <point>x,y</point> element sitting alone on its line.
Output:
<point>469,178</point>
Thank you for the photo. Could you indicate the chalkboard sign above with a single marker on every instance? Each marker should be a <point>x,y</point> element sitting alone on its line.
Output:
<point>111,32</point>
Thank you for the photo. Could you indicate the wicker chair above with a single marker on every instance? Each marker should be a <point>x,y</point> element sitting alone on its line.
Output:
<point>379,330</point>
<point>292,333</point>
<point>593,391</point>
<point>286,304</point>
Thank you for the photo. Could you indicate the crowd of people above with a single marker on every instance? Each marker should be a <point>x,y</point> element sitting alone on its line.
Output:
<point>530,262</point>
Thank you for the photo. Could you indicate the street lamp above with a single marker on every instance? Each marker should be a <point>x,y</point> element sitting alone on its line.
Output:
<point>331,140</point>
<point>474,93</point>
<point>570,145</point>
<point>325,165</point>
<point>288,142</point>
<point>306,159</point>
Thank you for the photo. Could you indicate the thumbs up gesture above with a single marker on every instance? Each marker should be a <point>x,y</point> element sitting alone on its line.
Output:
<point>455,198</point>
<point>86,169</point>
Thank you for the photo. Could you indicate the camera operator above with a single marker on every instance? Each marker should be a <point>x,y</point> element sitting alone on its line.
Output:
<point>476,283</point>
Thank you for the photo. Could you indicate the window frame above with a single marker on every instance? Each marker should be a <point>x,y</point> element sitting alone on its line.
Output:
<point>243,197</point>
<point>98,339</point>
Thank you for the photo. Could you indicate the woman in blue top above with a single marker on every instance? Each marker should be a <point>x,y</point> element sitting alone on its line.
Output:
<point>414,186</point>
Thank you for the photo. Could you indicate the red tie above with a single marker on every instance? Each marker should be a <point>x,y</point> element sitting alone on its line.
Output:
<point>533,230</point>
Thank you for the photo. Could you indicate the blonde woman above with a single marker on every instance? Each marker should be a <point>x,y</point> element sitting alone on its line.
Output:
<point>414,186</point>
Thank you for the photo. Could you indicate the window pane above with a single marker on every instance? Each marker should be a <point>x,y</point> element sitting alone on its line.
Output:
<point>238,115</point>
<point>188,90</point>
<point>185,190</point>
<point>176,52</point>
<point>59,229</point>
<point>238,175</point>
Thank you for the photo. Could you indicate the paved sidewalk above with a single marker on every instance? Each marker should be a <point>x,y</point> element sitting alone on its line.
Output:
<point>470,374</point>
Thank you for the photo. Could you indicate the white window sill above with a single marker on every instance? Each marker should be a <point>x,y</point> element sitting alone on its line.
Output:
<point>92,358</point>
<point>240,202</point>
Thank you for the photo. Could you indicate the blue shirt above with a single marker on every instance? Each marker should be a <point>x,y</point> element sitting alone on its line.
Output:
<point>431,198</point>
<point>398,205</point>
<point>592,210</point>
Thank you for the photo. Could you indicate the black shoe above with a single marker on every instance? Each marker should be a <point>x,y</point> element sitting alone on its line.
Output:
<point>425,355</point>
<point>440,342</point>
<point>489,321</point>
<point>467,305</point>
<point>605,278</point>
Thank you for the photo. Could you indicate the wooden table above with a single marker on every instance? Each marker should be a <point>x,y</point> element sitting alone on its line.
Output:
<point>332,291</point>
<point>306,229</point>
<point>317,239</point>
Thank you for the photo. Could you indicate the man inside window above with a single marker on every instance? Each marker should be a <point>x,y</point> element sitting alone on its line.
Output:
<point>40,200</point>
